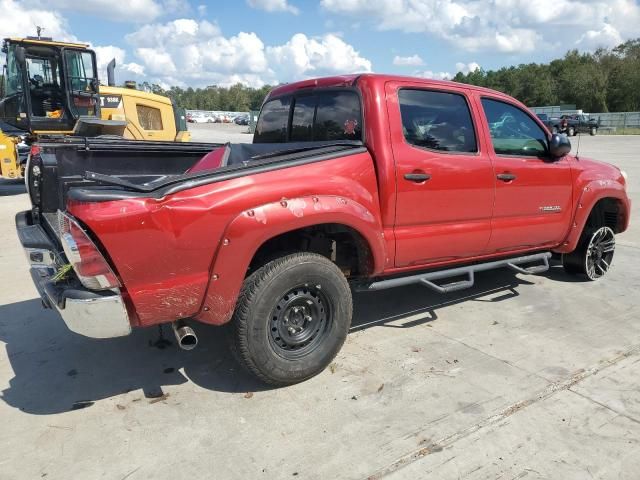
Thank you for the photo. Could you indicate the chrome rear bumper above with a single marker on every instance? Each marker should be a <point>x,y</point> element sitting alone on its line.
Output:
<point>88,313</point>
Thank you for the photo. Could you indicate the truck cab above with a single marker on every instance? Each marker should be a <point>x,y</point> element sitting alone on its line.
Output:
<point>48,85</point>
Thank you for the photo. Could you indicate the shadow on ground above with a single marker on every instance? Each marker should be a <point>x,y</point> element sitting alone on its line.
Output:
<point>11,187</point>
<point>56,370</point>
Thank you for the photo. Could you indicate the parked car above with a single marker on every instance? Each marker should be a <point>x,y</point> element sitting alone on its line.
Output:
<point>241,120</point>
<point>371,182</point>
<point>571,125</point>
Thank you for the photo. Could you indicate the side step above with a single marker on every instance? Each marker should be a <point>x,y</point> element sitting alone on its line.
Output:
<point>426,279</point>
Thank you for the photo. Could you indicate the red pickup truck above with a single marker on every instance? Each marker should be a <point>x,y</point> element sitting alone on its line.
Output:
<point>366,182</point>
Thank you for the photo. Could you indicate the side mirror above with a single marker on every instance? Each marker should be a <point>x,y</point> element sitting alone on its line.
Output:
<point>559,146</point>
<point>21,56</point>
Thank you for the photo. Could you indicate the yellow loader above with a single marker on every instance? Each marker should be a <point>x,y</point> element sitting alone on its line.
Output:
<point>52,88</point>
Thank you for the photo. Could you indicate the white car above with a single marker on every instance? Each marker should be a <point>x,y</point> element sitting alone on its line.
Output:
<point>204,118</point>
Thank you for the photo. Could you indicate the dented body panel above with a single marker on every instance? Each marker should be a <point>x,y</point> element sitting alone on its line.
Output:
<point>184,251</point>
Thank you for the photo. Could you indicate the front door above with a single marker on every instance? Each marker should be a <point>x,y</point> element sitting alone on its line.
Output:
<point>444,177</point>
<point>533,201</point>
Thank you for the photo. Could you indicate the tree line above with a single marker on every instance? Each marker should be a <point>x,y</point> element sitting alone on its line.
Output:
<point>607,80</point>
<point>236,98</point>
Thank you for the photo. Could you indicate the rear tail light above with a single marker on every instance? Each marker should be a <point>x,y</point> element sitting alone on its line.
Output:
<point>89,264</point>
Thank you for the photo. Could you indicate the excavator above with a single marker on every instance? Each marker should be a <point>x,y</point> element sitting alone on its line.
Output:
<point>51,88</point>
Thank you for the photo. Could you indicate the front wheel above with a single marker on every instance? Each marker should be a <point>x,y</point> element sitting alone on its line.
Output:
<point>593,255</point>
<point>593,131</point>
<point>291,319</point>
<point>571,132</point>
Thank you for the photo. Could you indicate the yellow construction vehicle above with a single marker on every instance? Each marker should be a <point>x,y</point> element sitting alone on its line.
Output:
<point>52,88</point>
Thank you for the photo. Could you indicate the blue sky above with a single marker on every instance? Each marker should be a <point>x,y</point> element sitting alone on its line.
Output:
<point>198,42</point>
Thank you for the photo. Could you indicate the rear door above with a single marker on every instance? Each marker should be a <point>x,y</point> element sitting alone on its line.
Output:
<point>444,177</point>
<point>533,194</point>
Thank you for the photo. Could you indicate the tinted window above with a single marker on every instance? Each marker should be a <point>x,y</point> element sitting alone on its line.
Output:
<point>338,117</point>
<point>272,124</point>
<point>513,132</point>
<point>329,115</point>
<point>437,120</point>
<point>302,120</point>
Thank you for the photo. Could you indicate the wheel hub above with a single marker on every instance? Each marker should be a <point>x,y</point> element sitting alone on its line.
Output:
<point>299,321</point>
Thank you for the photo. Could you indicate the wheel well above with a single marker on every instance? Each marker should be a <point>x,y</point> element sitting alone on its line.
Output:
<point>341,244</point>
<point>606,212</point>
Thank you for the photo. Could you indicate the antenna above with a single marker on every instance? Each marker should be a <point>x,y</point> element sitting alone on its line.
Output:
<point>578,147</point>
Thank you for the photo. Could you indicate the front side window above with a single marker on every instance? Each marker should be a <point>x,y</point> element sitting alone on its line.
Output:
<point>272,124</point>
<point>513,132</point>
<point>437,120</point>
<point>149,118</point>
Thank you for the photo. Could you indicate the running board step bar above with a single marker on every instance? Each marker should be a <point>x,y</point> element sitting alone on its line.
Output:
<point>427,279</point>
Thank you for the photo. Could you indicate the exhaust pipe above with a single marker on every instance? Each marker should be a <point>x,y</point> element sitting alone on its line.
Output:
<point>185,335</point>
<point>111,78</point>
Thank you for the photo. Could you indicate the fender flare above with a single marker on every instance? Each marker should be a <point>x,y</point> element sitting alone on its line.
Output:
<point>592,193</point>
<point>249,230</point>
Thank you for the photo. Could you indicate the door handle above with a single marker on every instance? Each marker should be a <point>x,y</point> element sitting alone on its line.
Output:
<point>506,177</point>
<point>417,177</point>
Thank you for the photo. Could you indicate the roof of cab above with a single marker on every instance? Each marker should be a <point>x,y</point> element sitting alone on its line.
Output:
<point>372,78</point>
<point>47,42</point>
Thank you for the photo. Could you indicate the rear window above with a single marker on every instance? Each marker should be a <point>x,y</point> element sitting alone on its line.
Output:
<point>272,124</point>
<point>321,116</point>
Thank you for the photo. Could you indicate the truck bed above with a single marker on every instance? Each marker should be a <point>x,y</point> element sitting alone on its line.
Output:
<point>100,168</point>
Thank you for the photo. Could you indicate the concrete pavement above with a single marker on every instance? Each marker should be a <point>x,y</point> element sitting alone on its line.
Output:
<point>520,377</point>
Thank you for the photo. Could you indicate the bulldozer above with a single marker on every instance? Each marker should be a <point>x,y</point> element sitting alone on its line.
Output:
<point>51,88</point>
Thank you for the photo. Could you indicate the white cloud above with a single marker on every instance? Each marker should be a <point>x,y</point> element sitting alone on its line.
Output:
<point>126,11</point>
<point>191,52</point>
<point>124,71</point>
<point>467,67</point>
<point>19,20</point>
<point>508,26</point>
<point>273,6</point>
<point>605,37</point>
<point>306,56</point>
<point>433,75</point>
<point>413,60</point>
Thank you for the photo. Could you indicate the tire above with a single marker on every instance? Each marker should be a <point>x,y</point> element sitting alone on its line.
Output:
<point>593,131</point>
<point>554,130</point>
<point>571,132</point>
<point>292,317</point>
<point>593,255</point>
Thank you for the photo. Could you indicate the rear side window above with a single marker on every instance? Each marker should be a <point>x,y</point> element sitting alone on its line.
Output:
<point>321,116</point>
<point>150,118</point>
<point>513,132</point>
<point>272,124</point>
<point>437,120</point>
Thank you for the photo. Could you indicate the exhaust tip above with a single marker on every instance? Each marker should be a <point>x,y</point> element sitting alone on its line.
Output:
<point>185,336</point>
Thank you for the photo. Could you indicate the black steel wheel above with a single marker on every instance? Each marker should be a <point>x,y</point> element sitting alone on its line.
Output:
<point>594,254</point>
<point>292,317</point>
<point>299,321</point>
